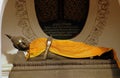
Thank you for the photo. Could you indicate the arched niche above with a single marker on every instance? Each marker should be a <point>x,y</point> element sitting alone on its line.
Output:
<point>62,19</point>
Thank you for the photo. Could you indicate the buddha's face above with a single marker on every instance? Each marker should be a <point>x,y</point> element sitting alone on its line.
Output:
<point>21,43</point>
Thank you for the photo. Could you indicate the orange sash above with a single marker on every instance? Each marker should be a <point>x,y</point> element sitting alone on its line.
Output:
<point>68,48</point>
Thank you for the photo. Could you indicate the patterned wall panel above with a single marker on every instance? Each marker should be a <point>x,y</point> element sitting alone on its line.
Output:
<point>63,19</point>
<point>70,11</point>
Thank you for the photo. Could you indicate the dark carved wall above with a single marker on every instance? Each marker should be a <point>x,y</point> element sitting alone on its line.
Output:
<point>63,19</point>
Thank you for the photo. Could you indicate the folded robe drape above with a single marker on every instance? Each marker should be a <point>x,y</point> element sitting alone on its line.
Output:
<point>68,48</point>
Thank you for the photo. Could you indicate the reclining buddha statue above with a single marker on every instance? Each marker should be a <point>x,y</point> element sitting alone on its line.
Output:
<point>47,57</point>
<point>43,48</point>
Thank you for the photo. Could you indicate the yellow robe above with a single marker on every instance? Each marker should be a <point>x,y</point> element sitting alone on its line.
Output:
<point>68,48</point>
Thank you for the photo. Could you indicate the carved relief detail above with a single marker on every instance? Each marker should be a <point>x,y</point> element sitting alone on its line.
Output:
<point>92,38</point>
<point>100,22</point>
<point>23,20</point>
